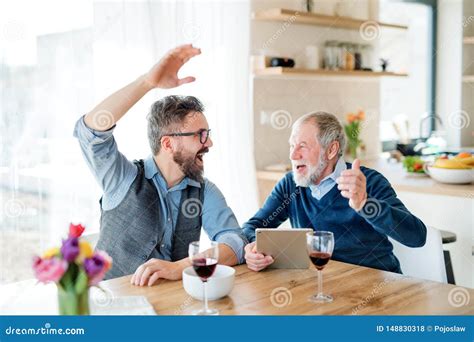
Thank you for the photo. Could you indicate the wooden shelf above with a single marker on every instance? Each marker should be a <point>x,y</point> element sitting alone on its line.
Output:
<point>468,40</point>
<point>468,78</point>
<point>280,71</point>
<point>292,16</point>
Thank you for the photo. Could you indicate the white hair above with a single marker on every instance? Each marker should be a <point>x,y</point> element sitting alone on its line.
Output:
<point>329,127</point>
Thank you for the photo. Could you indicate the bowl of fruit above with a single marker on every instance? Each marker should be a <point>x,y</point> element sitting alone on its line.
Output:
<point>456,170</point>
<point>414,166</point>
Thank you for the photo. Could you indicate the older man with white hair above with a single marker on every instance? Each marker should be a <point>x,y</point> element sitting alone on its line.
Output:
<point>323,192</point>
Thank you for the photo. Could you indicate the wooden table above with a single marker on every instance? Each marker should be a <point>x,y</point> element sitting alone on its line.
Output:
<point>356,290</point>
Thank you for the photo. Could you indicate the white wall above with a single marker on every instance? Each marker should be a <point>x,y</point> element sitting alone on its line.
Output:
<point>449,73</point>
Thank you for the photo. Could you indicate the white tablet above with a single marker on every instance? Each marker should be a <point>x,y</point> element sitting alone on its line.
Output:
<point>286,246</point>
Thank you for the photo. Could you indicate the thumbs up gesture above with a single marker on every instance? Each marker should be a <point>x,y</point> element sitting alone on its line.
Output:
<point>352,184</point>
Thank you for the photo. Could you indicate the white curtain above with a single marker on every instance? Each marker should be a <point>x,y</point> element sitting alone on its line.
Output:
<point>129,37</point>
<point>55,65</point>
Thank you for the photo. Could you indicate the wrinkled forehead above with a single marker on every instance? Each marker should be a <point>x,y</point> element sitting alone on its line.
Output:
<point>304,131</point>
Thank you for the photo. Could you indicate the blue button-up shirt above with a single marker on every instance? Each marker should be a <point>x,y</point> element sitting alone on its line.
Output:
<point>115,174</point>
<point>318,191</point>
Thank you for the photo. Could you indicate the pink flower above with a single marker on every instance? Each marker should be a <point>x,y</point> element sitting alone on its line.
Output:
<point>51,269</point>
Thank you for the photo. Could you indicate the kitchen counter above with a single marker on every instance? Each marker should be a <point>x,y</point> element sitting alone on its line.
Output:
<point>399,179</point>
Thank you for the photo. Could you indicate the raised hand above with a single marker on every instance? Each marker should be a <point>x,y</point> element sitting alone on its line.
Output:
<point>164,74</point>
<point>352,184</point>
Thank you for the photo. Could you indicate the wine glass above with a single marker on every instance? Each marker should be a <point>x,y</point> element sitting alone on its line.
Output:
<point>320,245</point>
<point>204,260</point>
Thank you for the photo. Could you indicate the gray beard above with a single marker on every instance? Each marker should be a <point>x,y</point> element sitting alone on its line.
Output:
<point>322,164</point>
<point>188,166</point>
<point>315,174</point>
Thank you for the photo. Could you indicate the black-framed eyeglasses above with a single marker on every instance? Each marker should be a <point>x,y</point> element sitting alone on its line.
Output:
<point>204,135</point>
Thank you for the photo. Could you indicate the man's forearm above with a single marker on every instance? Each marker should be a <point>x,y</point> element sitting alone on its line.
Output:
<point>227,255</point>
<point>395,221</point>
<point>106,114</point>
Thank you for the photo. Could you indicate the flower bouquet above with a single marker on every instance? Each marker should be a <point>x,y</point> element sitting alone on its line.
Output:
<point>74,267</point>
<point>352,129</point>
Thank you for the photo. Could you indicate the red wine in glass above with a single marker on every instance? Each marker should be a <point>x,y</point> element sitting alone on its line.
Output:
<point>204,258</point>
<point>319,259</point>
<point>204,267</point>
<point>320,245</point>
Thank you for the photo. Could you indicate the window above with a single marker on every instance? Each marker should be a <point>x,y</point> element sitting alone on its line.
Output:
<point>411,98</point>
<point>46,80</point>
<point>59,58</point>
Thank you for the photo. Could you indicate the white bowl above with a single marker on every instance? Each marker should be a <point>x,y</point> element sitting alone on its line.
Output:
<point>451,176</point>
<point>218,286</point>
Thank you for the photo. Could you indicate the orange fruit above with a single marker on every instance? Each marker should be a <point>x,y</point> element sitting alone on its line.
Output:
<point>464,155</point>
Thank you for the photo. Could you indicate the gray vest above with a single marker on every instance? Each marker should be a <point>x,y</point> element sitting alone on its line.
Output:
<point>131,233</point>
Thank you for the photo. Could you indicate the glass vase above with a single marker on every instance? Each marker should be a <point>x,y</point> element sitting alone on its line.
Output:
<point>72,303</point>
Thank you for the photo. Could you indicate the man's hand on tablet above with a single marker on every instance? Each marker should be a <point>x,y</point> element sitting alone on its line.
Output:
<point>256,261</point>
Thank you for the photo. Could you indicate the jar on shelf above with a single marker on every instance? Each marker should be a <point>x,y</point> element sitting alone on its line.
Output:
<point>366,54</point>
<point>341,52</point>
<point>349,60</point>
<point>312,57</point>
<point>357,57</point>
<point>330,55</point>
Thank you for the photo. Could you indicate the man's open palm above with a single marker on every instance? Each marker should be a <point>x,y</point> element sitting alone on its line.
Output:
<point>164,74</point>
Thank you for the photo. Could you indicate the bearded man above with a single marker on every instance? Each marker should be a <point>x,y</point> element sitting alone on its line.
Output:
<point>323,192</point>
<point>152,209</point>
